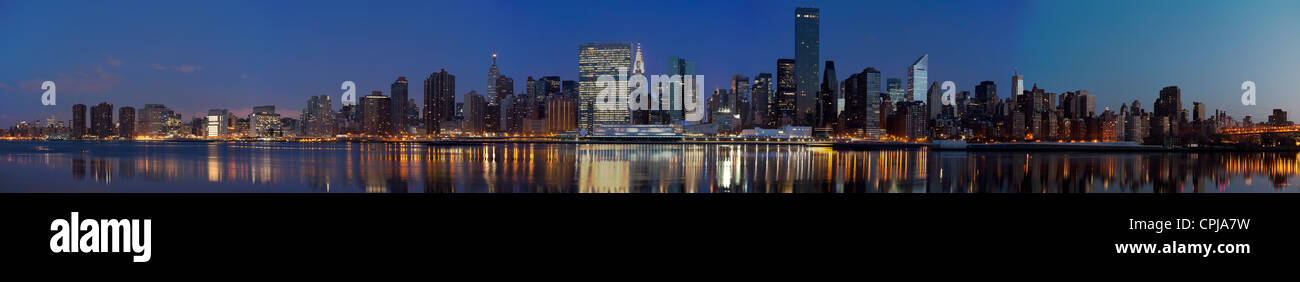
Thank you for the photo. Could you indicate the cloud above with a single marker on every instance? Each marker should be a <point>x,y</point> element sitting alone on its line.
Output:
<point>187,68</point>
<point>243,76</point>
<point>184,68</point>
<point>94,80</point>
<point>112,61</point>
<point>5,86</point>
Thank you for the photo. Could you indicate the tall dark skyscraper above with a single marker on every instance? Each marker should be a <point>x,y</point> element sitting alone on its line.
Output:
<point>78,121</point>
<point>986,97</point>
<point>785,91</point>
<point>827,110</point>
<point>439,100</point>
<point>1170,103</point>
<point>764,101</point>
<point>871,125</point>
<point>126,122</point>
<point>101,120</point>
<point>399,106</point>
<point>807,45</point>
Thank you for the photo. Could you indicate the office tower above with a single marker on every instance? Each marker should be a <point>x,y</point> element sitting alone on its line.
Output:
<point>400,106</point>
<point>1278,118</point>
<point>493,75</point>
<point>986,97</point>
<point>474,122</point>
<point>827,112</point>
<point>78,120</point>
<point>807,45</point>
<point>216,124</point>
<point>530,86</point>
<point>785,91</point>
<point>549,86</point>
<point>895,89</point>
<point>101,120</point>
<point>563,114</point>
<point>595,60</point>
<point>763,101</point>
<point>265,122</point>
<point>126,122</point>
<point>872,128</point>
<point>1198,112</point>
<point>933,101</point>
<point>740,99</point>
<point>1017,85</point>
<point>376,114</point>
<point>440,99</point>
<point>673,104</point>
<point>852,121</point>
<point>504,97</point>
<point>152,120</point>
<point>918,78</point>
<point>569,88</point>
<point>318,117</point>
<point>1169,104</point>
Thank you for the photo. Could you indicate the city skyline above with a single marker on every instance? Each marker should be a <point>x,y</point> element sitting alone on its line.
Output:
<point>129,79</point>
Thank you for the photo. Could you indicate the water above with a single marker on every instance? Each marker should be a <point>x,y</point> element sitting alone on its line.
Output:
<point>31,166</point>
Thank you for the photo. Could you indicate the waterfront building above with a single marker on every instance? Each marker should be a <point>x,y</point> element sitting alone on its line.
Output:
<point>807,45</point>
<point>595,60</point>
<point>126,122</point>
<point>440,99</point>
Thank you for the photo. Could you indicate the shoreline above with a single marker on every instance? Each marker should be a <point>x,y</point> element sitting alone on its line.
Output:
<point>849,146</point>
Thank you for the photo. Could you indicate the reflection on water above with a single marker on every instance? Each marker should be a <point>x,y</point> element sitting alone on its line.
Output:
<point>650,168</point>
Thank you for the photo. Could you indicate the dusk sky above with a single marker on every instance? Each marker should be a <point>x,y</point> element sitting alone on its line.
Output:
<point>197,55</point>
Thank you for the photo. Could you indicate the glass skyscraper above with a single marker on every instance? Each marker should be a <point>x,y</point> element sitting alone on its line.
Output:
<point>895,89</point>
<point>918,78</point>
<point>807,43</point>
<point>595,60</point>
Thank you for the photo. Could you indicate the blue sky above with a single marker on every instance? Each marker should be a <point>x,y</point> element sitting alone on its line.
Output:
<point>196,55</point>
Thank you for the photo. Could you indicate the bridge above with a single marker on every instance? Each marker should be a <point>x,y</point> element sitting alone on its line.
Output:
<point>1261,130</point>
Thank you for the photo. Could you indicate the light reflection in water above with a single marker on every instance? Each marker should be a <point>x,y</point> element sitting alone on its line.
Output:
<point>619,168</point>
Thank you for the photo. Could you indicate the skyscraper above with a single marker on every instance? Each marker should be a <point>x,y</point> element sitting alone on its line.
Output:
<point>78,120</point>
<point>474,117</point>
<point>1017,85</point>
<point>265,122</point>
<point>126,122</point>
<point>827,111</point>
<point>871,126</point>
<point>895,89</point>
<point>674,104</point>
<point>807,43</point>
<point>317,118</point>
<point>638,68</point>
<point>986,96</point>
<point>785,91</point>
<point>399,106</point>
<point>152,119</point>
<point>763,101</point>
<point>934,100</point>
<point>101,120</point>
<point>595,60</point>
<point>918,78</point>
<point>1170,103</point>
<point>493,74</point>
<point>439,100</point>
<point>376,114</point>
<point>740,99</point>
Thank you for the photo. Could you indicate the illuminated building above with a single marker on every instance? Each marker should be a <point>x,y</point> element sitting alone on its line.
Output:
<point>595,60</point>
